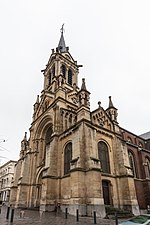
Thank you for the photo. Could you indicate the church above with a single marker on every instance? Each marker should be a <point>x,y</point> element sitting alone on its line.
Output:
<point>77,158</point>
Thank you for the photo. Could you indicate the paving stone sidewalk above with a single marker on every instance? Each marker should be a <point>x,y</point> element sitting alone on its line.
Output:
<point>48,218</point>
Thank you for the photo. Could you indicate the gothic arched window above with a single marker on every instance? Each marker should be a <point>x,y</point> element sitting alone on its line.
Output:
<point>103,154</point>
<point>70,76</point>
<point>132,163</point>
<point>67,157</point>
<point>48,135</point>
<point>63,68</point>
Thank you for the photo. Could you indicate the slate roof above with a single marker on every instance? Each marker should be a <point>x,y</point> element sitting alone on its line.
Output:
<point>62,45</point>
<point>146,135</point>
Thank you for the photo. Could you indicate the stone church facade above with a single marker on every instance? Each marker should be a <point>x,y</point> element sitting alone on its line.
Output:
<point>77,158</point>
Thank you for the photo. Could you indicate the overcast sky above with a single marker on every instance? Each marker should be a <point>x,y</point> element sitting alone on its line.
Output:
<point>110,38</point>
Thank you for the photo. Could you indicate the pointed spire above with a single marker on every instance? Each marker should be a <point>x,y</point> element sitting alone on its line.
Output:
<point>110,103</point>
<point>25,136</point>
<point>37,100</point>
<point>112,111</point>
<point>62,45</point>
<point>83,87</point>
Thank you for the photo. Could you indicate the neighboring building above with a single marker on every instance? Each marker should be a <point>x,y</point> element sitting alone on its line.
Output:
<point>75,157</point>
<point>139,159</point>
<point>6,177</point>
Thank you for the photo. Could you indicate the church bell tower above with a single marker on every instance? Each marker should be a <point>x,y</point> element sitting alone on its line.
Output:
<point>61,70</point>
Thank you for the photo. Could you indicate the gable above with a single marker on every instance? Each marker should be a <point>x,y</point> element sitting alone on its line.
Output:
<point>99,117</point>
<point>68,56</point>
<point>46,101</point>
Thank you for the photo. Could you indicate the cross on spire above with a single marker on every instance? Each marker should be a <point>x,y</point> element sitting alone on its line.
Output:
<point>62,29</point>
<point>62,45</point>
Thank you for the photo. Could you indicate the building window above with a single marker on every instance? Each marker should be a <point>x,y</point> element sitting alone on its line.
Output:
<point>67,157</point>
<point>103,154</point>
<point>70,76</point>
<point>48,135</point>
<point>132,163</point>
<point>63,69</point>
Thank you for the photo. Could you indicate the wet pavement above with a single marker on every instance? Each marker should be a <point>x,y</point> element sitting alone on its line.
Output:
<point>48,218</point>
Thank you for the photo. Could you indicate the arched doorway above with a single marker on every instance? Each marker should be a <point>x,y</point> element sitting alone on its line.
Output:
<point>106,187</point>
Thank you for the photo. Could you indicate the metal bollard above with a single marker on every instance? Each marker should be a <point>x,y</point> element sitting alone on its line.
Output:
<point>94,217</point>
<point>77,212</point>
<point>116,218</point>
<point>66,213</point>
<point>7,215</point>
<point>12,215</point>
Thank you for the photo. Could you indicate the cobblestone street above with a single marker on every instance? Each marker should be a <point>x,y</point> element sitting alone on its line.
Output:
<point>47,218</point>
